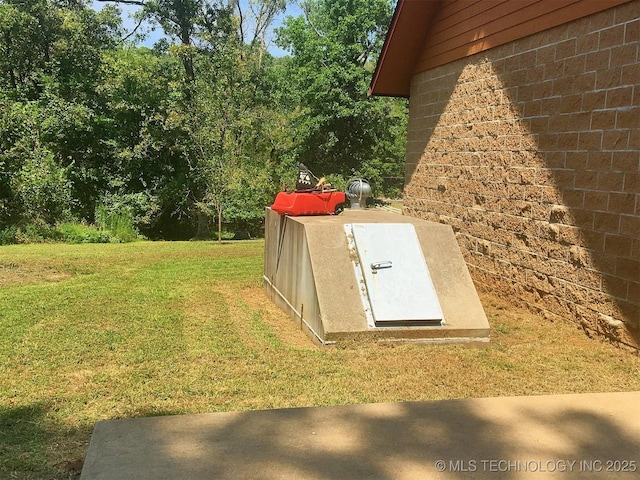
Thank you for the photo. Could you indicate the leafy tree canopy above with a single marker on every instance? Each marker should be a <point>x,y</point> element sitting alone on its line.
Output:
<point>340,130</point>
<point>203,128</point>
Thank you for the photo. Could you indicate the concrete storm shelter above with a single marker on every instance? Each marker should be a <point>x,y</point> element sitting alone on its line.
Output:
<point>372,275</point>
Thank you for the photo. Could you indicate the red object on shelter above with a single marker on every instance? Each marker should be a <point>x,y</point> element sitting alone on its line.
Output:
<point>308,203</point>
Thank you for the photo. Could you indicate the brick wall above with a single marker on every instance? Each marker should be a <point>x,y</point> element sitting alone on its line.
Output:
<point>531,152</point>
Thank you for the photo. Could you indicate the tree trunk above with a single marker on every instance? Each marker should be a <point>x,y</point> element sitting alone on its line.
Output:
<point>202,230</point>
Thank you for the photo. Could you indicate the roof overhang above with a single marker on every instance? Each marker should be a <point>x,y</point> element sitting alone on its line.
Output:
<point>404,41</point>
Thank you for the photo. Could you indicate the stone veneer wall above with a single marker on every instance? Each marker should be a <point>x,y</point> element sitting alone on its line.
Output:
<point>531,152</point>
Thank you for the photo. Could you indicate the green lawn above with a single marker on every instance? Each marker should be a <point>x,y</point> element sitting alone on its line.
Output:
<point>95,332</point>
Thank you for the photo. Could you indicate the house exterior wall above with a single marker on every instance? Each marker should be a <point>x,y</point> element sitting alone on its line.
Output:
<point>531,152</point>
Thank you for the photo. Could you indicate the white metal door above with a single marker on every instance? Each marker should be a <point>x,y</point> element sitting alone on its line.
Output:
<point>397,279</point>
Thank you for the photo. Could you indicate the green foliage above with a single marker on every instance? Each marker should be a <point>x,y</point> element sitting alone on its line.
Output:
<point>203,129</point>
<point>147,137</point>
<point>119,224</point>
<point>340,130</point>
<point>50,143</point>
<point>44,45</point>
<point>8,235</point>
<point>121,231</point>
<point>43,188</point>
<point>81,233</point>
<point>235,124</point>
<point>27,34</point>
<point>36,232</point>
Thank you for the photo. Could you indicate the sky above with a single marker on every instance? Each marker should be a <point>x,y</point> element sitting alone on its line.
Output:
<point>154,35</point>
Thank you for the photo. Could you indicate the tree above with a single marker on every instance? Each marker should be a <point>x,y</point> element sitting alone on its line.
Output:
<point>224,104</point>
<point>41,42</point>
<point>184,143</point>
<point>36,188</point>
<point>28,30</point>
<point>201,127</point>
<point>48,78</point>
<point>146,171</point>
<point>340,130</point>
<point>234,117</point>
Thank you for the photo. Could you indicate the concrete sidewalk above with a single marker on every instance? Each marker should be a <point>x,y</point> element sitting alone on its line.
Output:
<point>542,437</point>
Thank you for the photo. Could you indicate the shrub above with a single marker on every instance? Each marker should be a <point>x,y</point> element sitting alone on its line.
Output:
<point>43,188</point>
<point>36,232</point>
<point>117,223</point>
<point>68,232</point>
<point>8,235</point>
<point>81,233</point>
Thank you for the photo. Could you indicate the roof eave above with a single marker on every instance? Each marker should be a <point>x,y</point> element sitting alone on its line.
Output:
<point>403,43</point>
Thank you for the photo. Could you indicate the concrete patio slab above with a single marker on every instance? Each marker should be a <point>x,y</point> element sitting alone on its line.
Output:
<point>540,437</point>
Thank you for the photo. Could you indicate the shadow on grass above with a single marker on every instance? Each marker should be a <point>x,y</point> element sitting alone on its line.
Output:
<point>501,438</point>
<point>25,441</point>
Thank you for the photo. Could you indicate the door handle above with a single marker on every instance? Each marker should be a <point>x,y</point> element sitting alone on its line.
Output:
<point>375,266</point>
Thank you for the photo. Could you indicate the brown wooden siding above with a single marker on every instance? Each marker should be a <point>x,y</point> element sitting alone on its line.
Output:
<point>466,27</point>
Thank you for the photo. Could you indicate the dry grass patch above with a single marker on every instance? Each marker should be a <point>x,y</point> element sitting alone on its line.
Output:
<point>12,273</point>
